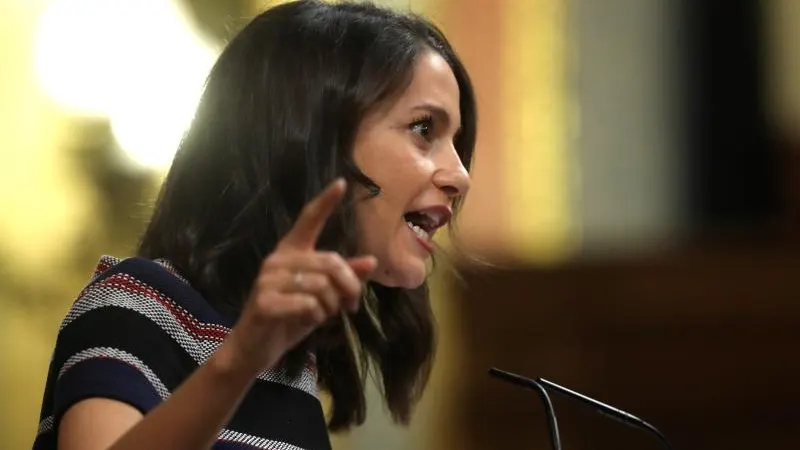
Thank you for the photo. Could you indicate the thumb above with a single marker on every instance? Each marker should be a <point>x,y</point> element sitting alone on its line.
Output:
<point>363,266</point>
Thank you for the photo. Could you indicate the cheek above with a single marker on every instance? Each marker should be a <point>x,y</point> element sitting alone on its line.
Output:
<point>387,157</point>
<point>402,175</point>
<point>371,223</point>
<point>381,232</point>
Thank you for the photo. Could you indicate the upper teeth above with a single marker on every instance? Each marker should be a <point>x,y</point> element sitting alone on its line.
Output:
<point>419,231</point>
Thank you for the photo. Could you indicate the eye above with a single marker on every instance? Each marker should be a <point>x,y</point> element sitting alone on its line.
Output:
<point>423,126</point>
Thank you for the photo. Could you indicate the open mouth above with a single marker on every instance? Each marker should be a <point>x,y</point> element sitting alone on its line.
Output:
<point>425,222</point>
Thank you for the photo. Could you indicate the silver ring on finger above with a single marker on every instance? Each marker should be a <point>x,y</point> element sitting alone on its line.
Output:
<point>297,280</point>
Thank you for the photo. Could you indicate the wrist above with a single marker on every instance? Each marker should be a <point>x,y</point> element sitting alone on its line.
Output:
<point>231,364</point>
<point>237,357</point>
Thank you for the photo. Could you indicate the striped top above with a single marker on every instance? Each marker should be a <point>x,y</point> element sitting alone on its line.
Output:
<point>137,331</point>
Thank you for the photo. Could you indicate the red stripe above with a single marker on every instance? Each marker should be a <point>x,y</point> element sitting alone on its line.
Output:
<point>103,266</point>
<point>199,330</point>
<point>204,331</point>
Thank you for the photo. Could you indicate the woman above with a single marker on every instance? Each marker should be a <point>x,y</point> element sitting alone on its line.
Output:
<point>288,248</point>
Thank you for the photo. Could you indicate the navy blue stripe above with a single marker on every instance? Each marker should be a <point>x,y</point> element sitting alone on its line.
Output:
<point>47,398</point>
<point>104,378</point>
<point>284,414</point>
<point>45,441</point>
<point>270,410</point>
<point>96,378</point>
<point>131,332</point>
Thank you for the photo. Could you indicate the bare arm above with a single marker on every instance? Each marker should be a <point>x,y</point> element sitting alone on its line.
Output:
<point>189,419</point>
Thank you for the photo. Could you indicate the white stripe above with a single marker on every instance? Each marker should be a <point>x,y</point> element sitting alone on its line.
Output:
<point>119,355</point>
<point>254,441</point>
<point>110,293</point>
<point>45,425</point>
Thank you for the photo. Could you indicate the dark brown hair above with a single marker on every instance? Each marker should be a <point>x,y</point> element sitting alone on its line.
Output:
<point>275,124</point>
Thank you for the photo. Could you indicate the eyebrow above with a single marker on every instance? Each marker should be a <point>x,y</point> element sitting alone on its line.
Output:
<point>438,112</point>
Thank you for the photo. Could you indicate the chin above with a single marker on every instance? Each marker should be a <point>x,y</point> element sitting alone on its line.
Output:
<point>405,277</point>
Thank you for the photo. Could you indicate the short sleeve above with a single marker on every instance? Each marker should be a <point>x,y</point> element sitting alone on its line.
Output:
<point>109,352</point>
<point>116,343</point>
<point>133,335</point>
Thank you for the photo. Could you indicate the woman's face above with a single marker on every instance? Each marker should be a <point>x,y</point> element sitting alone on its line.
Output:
<point>406,148</point>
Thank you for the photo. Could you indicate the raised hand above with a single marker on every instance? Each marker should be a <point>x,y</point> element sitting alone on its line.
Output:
<point>298,288</point>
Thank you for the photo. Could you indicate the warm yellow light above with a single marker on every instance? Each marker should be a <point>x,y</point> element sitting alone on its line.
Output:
<point>138,62</point>
<point>162,94</point>
<point>536,99</point>
<point>76,59</point>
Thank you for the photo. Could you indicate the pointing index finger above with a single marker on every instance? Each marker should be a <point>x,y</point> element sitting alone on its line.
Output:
<point>313,217</point>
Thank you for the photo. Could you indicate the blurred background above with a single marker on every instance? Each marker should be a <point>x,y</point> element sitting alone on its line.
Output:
<point>637,191</point>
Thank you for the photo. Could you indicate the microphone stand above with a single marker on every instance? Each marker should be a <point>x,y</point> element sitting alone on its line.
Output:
<point>541,385</point>
<point>552,424</point>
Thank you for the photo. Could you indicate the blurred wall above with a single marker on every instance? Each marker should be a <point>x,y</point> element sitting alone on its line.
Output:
<point>577,156</point>
<point>783,62</point>
<point>628,168</point>
<point>43,204</point>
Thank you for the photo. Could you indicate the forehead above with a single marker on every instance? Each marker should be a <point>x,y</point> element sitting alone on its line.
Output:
<point>432,84</point>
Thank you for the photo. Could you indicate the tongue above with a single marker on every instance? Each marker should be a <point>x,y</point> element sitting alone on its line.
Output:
<point>416,219</point>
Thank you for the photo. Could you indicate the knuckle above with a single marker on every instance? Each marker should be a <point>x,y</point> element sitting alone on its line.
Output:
<point>358,289</point>
<point>353,292</point>
<point>332,260</point>
<point>268,280</point>
<point>327,295</point>
<point>333,300</point>
<point>272,261</point>
<point>307,303</point>
<point>263,306</point>
<point>323,283</point>
<point>311,308</point>
<point>263,283</point>
<point>319,315</point>
<point>313,282</point>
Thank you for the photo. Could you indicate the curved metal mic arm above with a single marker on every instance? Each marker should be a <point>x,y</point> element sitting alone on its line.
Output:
<point>552,424</point>
<point>541,386</point>
<point>608,410</point>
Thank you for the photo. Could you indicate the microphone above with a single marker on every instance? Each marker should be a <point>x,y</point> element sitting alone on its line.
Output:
<point>552,423</point>
<point>541,386</point>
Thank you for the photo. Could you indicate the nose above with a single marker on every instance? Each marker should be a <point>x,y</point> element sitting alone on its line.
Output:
<point>451,176</point>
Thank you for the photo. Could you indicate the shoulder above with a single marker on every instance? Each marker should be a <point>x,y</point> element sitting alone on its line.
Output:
<point>138,309</point>
<point>151,288</point>
<point>133,334</point>
<point>134,311</point>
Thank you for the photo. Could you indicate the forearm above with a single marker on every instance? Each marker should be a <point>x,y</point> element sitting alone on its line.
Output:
<point>193,415</point>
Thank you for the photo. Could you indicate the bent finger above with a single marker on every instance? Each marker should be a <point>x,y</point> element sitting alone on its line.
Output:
<point>343,276</point>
